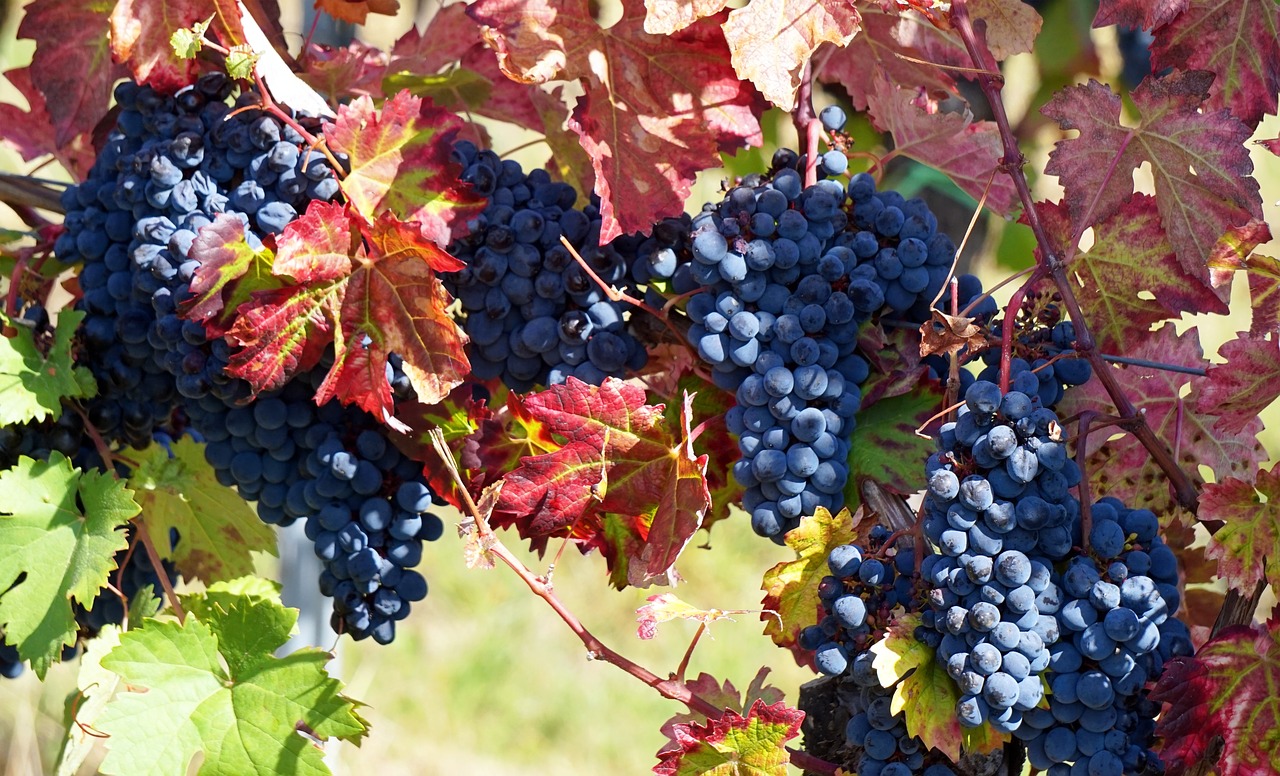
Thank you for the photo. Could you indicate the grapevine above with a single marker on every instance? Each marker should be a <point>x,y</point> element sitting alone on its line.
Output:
<point>726,290</point>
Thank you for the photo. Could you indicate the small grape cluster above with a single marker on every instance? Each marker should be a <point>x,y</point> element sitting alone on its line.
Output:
<point>887,748</point>
<point>533,314</point>
<point>1041,365</point>
<point>1119,627</point>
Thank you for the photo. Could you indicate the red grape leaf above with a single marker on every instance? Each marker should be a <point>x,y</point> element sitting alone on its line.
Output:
<point>710,403</point>
<point>1130,254</point>
<point>619,481</point>
<point>1240,389</point>
<point>733,745</point>
<point>664,17</point>
<point>1236,40</point>
<point>1147,14</point>
<point>229,272</point>
<point>1235,251</point>
<point>656,110</point>
<point>885,447</point>
<point>906,49</point>
<point>569,161</point>
<point>772,41</point>
<point>72,64</point>
<point>342,73</point>
<point>1247,546</point>
<point>357,11</point>
<point>140,32</point>
<point>966,151</point>
<point>1227,692</point>
<point>1012,25</point>
<point>791,587</point>
<point>1202,170</point>
<point>1122,467</point>
<point>401,161</point>
<point>722,696</point>
<point>31,132</point>
<point>459,416</point>
<point>386,299</point>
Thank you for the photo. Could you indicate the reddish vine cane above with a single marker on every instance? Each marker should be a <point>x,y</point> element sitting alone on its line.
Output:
<point>1236,610</point>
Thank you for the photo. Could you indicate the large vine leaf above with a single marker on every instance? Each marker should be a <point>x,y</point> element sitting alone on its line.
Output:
<point>212,687</point>
<point>177,488</point>
<point>34,383</point>
<point>1247,546</point>
<point>966,151</point>
<point>1122,467</point>
<point>61,551</point>
<point>925,693</point>
<point>1239,390</point>
<point>772,41</point>
<point>371,289</point>
<point>31,132</point>
<point>619,481</point>
<point>1203,174</point>
<point>1147,14</point>
<point>1227,692</point>
<point>733,745</point>
<point>791,601</point>
<point>906,49</point>
<point>1130,255</point>
<point>663,17</point>
<point>140,33</point>
<point>401,161</point>
<point>72,64</point>
<point>656,110</point>
<point>1236,40</point>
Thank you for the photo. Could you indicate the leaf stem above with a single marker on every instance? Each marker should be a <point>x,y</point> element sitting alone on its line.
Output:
<point>1051,266</point>
<point>145,539</point>
<point>314,142</point>
<point>688,653</point>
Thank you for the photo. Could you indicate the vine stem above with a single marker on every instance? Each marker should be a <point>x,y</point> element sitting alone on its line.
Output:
<point>316,143</point>
<point>1050,265</point>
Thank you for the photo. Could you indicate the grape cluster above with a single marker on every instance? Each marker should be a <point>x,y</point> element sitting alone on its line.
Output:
<point>1043,341</point>
<point>171,166</point>
<point>887,749</point>
<point>533,314</point>
<point>1118,628</point>
<point>999,509</point>
<point>11,666</point>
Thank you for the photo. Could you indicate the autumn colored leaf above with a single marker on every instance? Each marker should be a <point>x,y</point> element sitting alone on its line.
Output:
<point>1130,255</point>
<point>708,409</point>
<point>722,696</point>
<point>1239,390</point>
<point>966,151</point>
<point>140,31</point>
<point>72,64</point>
<point>569,161</point>
<point>31,132</point>
<point>385,299</point>
<point>667,607</point>
<point>1012,25</point>
<point>230,272</point>
<point>656,110</point>
<point>1235,251</point>
<point>357,11</point>
<point>1226,691</point>
<point>924,693</point>
<point>1122,467</point>
<point>1247,546</point>
<point>1236,40</point>
<point>1203,174</point>
<point>791,587</point>
<point>772,41</point>
<point>1147,14</point>
<point>339,73</point>
<point>903,48</point>
<point>664,17</point>
<point>401,161</point>
<point>617,461</point>
<point>885,447</point>
<point>734,745</point>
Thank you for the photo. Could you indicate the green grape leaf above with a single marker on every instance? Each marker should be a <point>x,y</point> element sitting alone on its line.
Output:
<point>1247,547</point>
<point>187,42</point>
<point>217,529</point>
<point>733,745</point>
<point>791,587</point>
<point>885,447</point>
<point>925,693</point>
<point>1225,695</point>
<point>241,62</point>
<point>95,687</point>
<point>211,687</point>
<point>60,551</point>
<point>33,384</point>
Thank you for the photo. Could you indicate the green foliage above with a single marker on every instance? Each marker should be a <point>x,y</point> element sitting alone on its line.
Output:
<point>33,383</point>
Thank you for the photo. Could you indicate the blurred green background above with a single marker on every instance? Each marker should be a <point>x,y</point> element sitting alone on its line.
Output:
<point>484,678</point>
